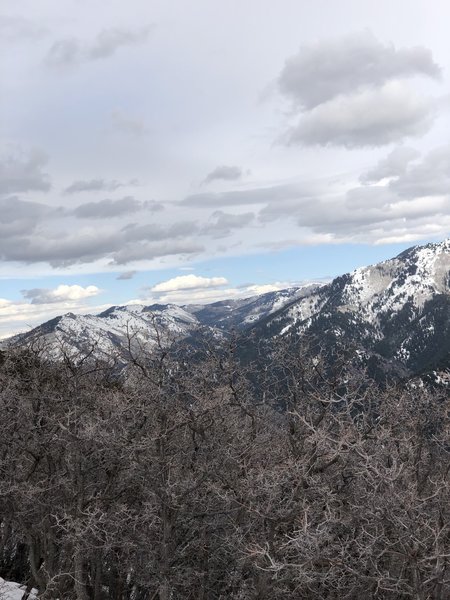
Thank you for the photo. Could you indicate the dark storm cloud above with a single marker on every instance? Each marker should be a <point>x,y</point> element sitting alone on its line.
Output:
<point>23,172</point>
<point>321,71</point>
<point>225,173</point>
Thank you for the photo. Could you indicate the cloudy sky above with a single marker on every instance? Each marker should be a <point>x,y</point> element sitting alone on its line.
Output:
<point>176,151</point>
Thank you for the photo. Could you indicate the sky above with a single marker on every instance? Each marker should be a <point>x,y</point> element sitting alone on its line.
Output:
<point>174,151</point>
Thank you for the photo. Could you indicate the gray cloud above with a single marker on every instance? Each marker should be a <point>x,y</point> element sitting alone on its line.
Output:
<point>368,198</point>
<point>148,250</point>
<point>17,28</point>
<point>20,217</point>
<point>108,41</point>
<point>69,52</point>
<point>350,92</point>
<point>14,209</point>
<point>225,173</point>
<point>64,54</point>
<point>222,223</point>
<point>368,118</point>
<point>39,296</point>
<point>291,207</point>
<point>251,196</point>
<point>98,185</point>
<point>415,203</point>
<point>430,177</point>
<point>153,232</point>
<point>23,172</point>
<point>326,69</point>
<point>105,209</point>
<point>61,250</point>
<point>126,275</point>
<point>129,125</point>
<point>368,214</point>
<point>395,164</point>
<point>411,178</point>
<point>27,234</point>
<point>58,253</point>
<point>153,206</point>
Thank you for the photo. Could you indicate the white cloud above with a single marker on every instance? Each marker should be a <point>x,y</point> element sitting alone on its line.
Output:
<point>42,304</point>
<point>265,288</point>
<point>207,295</point>
<point>188,282</point>
<point>62,293</point>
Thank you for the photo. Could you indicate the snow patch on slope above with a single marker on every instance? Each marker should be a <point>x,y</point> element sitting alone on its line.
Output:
<point>10,590</point>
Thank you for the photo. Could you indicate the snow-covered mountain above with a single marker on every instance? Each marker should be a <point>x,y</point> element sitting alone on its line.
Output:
<point>114,331</point>
<point>120,328</point>
<point>398,309</point>
<point>242,313</point>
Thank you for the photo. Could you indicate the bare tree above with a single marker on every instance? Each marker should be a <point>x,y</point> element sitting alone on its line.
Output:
<point>201,475</point>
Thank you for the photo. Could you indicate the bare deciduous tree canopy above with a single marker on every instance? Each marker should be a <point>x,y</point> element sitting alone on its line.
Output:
<point>198,478</point>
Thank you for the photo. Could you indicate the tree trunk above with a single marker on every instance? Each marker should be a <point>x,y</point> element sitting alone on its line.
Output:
<point>80,577</point>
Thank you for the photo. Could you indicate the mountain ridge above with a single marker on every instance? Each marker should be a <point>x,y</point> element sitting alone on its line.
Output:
<point>398,308</point>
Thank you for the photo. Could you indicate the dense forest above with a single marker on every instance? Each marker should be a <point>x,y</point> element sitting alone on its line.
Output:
<point>196,475</point>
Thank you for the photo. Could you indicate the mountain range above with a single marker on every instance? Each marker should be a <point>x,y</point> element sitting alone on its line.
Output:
<point>397,310</point>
